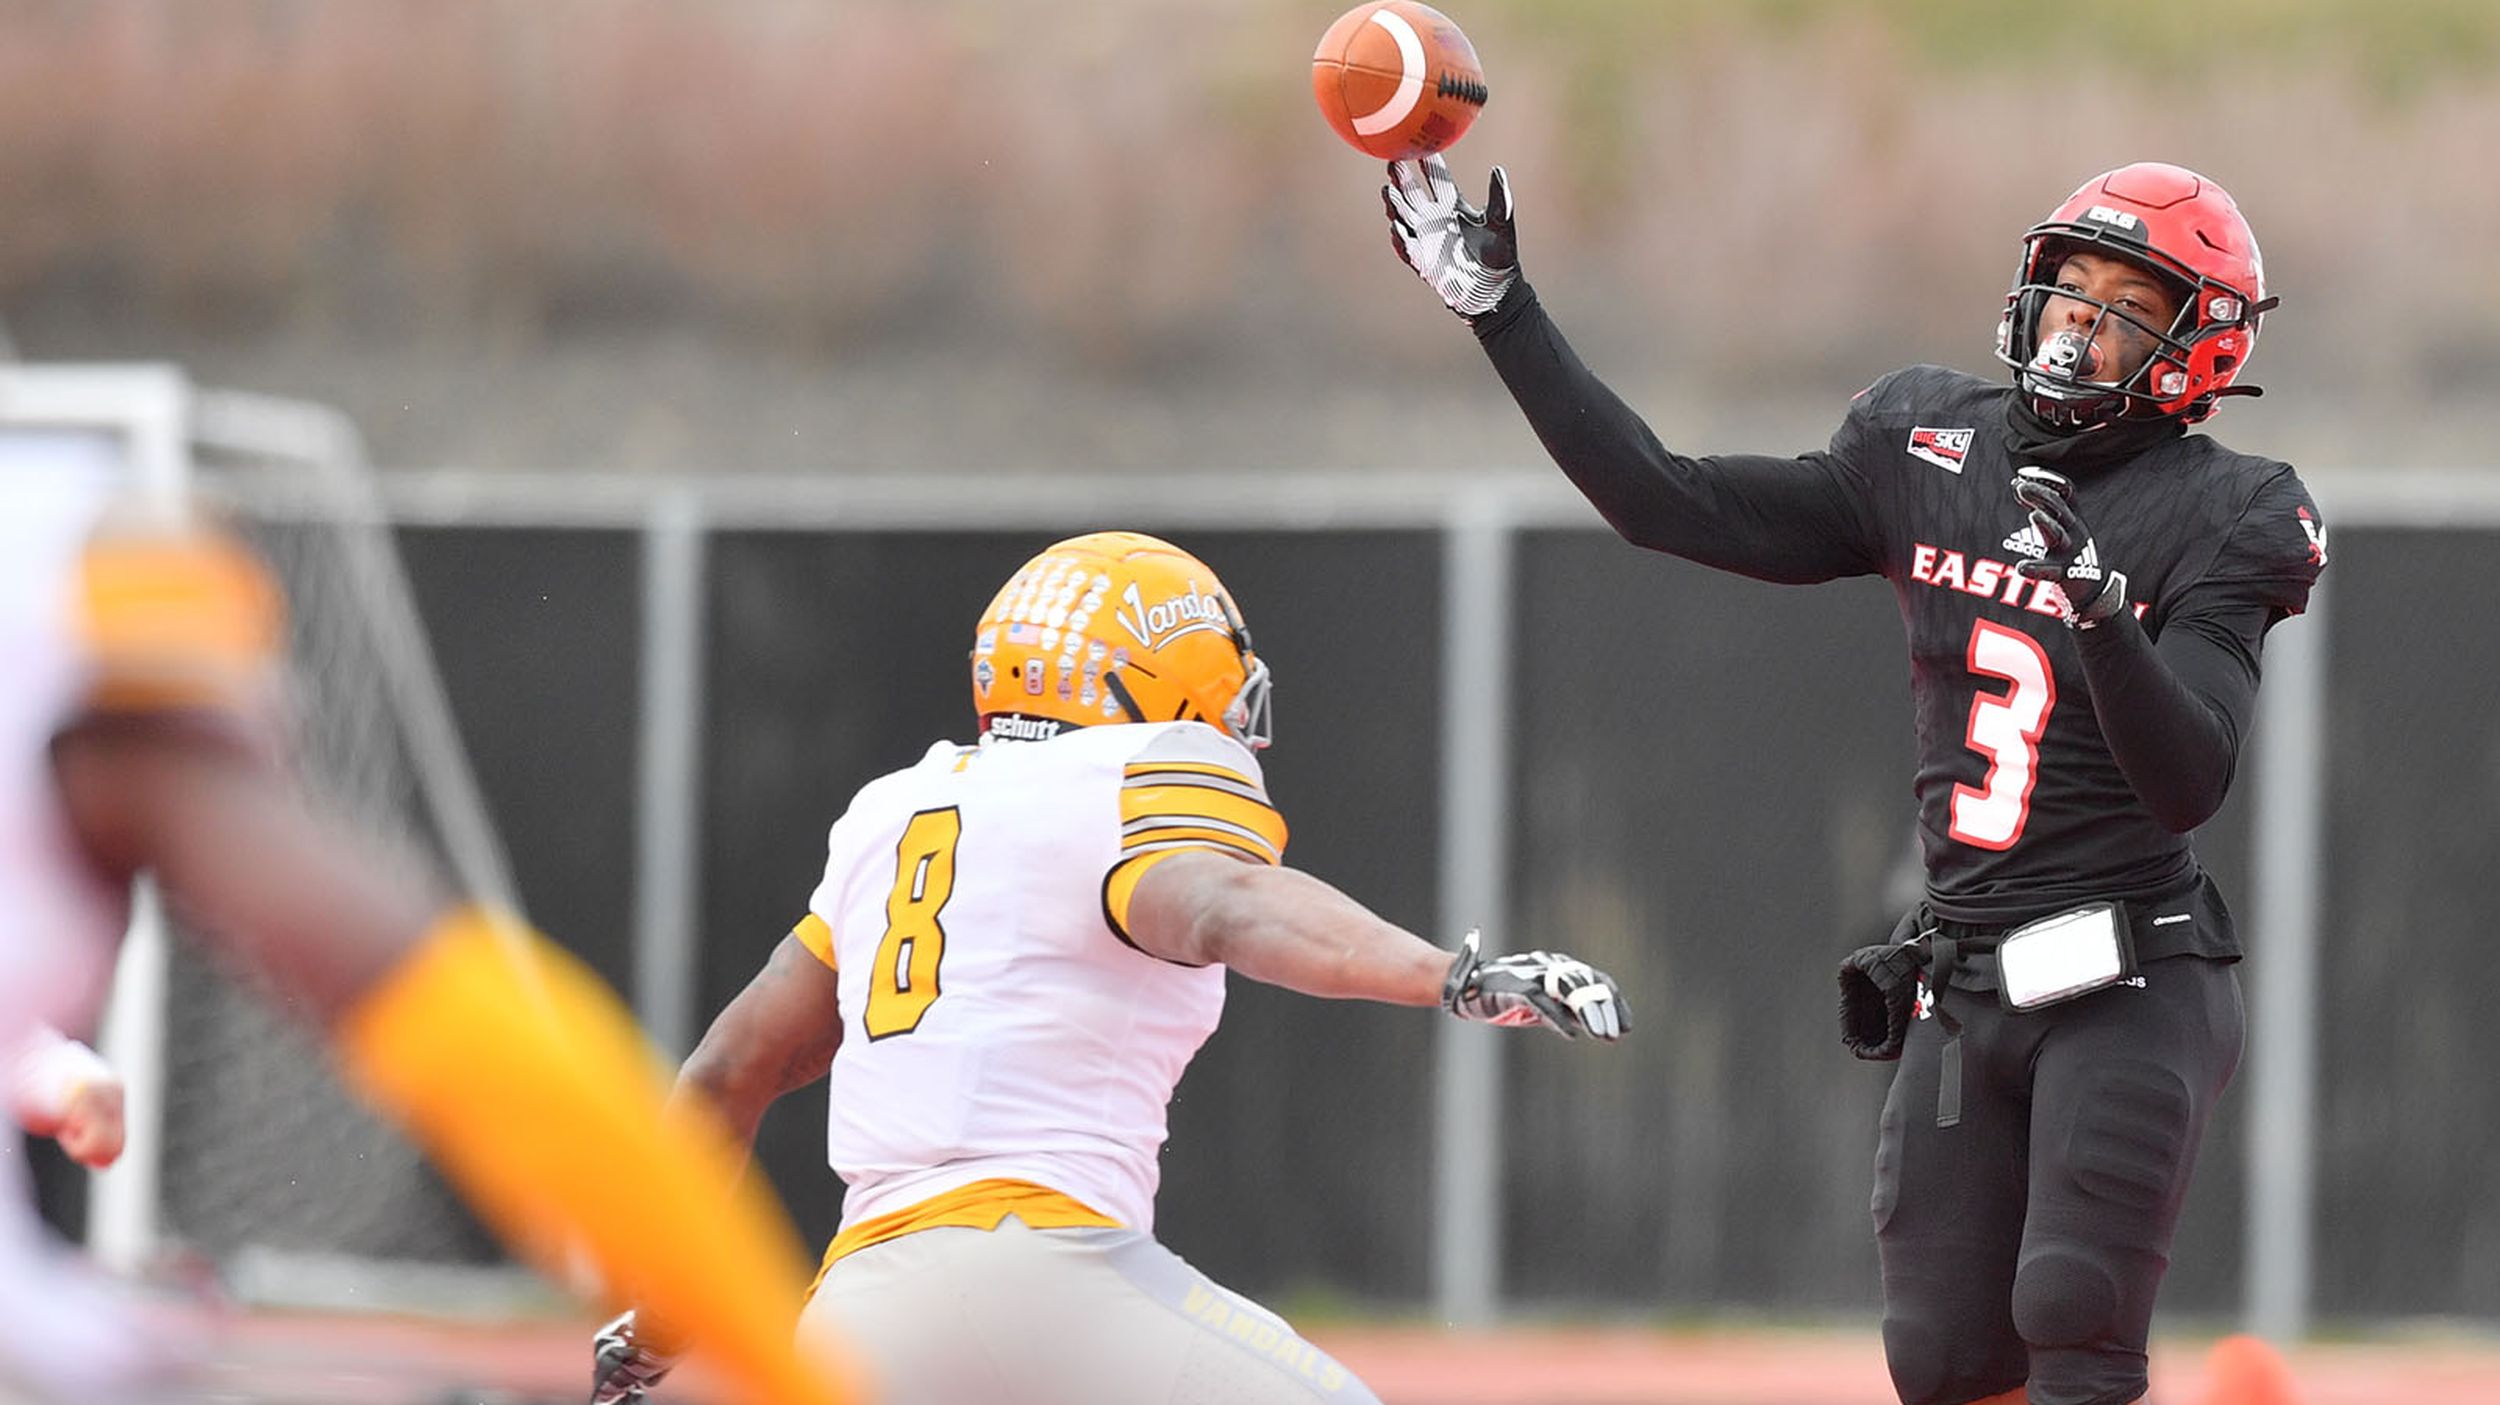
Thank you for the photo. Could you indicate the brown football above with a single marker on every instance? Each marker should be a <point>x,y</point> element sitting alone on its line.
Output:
<point>1397,79</point>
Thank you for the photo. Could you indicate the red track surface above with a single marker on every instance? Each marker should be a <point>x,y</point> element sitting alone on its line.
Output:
<point>315,1360</point>
<point>1823,1368</point>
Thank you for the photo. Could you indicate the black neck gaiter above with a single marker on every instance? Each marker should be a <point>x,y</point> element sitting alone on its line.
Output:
<point>2033,441</point>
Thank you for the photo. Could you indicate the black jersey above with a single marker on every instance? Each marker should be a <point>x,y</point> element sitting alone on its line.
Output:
<point>2024,808</point>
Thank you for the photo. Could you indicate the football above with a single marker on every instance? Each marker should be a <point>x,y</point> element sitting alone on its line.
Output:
<point>1397,79</point>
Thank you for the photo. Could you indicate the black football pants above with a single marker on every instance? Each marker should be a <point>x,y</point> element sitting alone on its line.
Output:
<point>2026,1242</point>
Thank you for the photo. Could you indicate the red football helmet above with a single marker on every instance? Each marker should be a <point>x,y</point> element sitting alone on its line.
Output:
<point>2184,228</point>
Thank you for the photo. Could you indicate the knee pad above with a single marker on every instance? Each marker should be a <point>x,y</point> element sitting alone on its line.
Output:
<point>2065,1297</point>
<point>1916,1359</point>
<point>1934,1366</point>
<point>2086,1339</point>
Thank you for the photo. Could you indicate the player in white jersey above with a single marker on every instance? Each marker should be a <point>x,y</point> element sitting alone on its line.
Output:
<point>137,735</point>
<point>1016,949</point>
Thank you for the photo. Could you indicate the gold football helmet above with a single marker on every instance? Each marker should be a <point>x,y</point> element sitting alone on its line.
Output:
<point>1116,627</point>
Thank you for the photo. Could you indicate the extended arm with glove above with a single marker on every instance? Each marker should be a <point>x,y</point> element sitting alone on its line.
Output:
<point>1286,928</point>
<point>1772,518</point>
<point>1470,256</point>
<point>1562,993</point>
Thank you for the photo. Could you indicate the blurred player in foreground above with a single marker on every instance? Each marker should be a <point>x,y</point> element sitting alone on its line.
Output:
<point>138,736</point>
<point>1017,947</point>
<point>61,1089</point>
<point>2086,588</point>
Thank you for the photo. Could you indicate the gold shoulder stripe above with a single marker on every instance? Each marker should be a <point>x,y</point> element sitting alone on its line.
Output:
<point>1228,784</point>
<point>1245,847</point>
<point>1167,831</point>
<point>816,934</point>
<point>1145,807</point>
<point>1138,769</point>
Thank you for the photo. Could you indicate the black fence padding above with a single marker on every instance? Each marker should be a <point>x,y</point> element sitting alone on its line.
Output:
<point>2206,1258</point>
<point>1713,799</point>
<point>2409,1115</point>
<point>538,636</point>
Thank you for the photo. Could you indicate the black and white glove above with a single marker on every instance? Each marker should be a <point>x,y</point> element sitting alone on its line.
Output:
<point>1469,256</point>
<point>2094,592</point>
<point>1562,993</point>
<point>623,1367</point>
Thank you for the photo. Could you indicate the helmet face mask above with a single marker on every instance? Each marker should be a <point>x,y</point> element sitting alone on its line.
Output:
<point>1116,627</point>
<point>1250,717</point>
<point>2186,231</point>
<point>2063,372</point>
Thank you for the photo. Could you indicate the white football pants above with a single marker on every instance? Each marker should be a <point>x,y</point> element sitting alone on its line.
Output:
<point>1020,1316</point>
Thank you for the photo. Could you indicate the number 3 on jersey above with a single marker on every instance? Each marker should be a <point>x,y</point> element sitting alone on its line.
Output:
<point>2006,729</point>
<point>904,982</point>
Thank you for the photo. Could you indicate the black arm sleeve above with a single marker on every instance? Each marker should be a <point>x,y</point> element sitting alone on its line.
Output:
<point>1792,520</point>
<point>2175,714</point>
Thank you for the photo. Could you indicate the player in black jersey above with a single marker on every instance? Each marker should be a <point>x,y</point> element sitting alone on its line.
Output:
<point>2086,587</point>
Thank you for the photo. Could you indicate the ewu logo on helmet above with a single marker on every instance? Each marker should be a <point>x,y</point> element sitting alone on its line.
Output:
<point>2103,214</point>
<point>1189,612</point>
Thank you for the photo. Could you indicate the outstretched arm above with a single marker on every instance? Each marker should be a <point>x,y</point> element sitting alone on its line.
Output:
<point>1284,927</point>
<point>316,910</point>
<point>1794,520</point>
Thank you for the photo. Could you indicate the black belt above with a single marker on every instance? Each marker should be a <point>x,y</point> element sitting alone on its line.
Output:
<point>1974,933</point>
<point>1963,963</point>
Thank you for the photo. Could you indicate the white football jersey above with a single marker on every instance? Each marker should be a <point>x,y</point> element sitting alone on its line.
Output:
<point>58,922</point>
<point>61,1332</point>
<point>997,1024</point>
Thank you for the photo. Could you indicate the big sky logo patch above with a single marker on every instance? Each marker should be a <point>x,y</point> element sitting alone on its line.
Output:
<point>1945,448</point>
